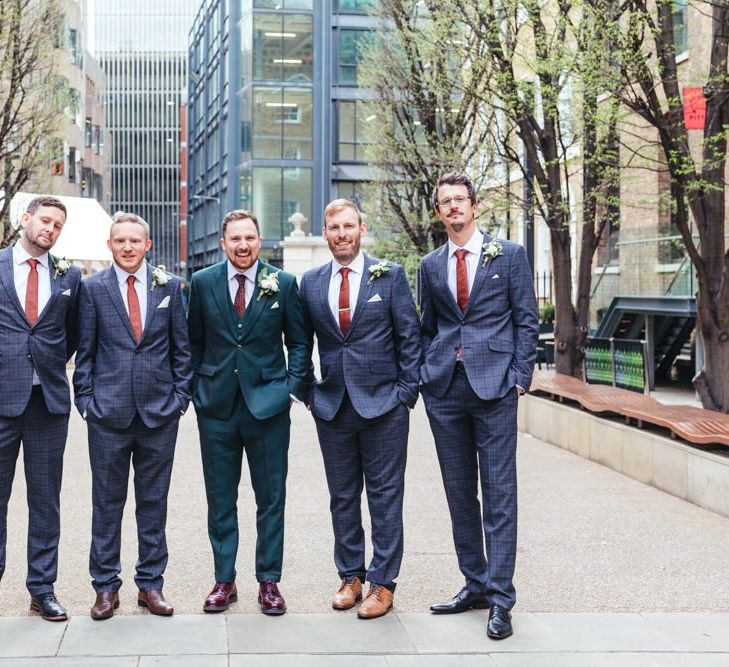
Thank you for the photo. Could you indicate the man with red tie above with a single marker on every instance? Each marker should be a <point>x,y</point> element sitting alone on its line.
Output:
<point>38,296</point>
<point>132,382</point>
<point>480,330</point>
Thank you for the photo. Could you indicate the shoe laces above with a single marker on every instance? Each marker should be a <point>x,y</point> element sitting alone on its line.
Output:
<point>376,591</point>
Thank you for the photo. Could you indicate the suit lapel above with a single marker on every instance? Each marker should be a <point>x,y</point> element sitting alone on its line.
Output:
<point>112,287</point>
<point>365,289</point>
<point>442,270</point>
<point>324,311</point>
<point>256,306</point>
<point>8,281</point>
<point>481,274</point>
<point>219,288</point>
<point>153,299</point>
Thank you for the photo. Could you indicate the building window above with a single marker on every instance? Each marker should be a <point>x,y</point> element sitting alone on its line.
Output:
<point>671,250</point>
<point>74,48</point>
<point>356,6</point>
<point>88,133</point>
<point>280,4</point>
<point>351,45</point>
<point>352,190</point>
<point>282,122</point>
<point>680,25</point>
<point>351,120</point>
<point>282,47</point>
<point>96,140</point>
<point>71,161</point>
<point>274,194</point>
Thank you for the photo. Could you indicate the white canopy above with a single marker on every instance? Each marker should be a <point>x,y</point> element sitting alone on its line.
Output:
<point>86,230</point>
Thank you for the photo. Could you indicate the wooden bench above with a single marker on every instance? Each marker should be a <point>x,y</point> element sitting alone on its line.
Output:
<point>695,425</point>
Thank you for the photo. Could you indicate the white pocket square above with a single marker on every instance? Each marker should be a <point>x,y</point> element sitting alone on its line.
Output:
<point>374,299</point>
<point>274,306</point>
<point>165,302</point>
<point>495,276</point>
<point>66,292</point>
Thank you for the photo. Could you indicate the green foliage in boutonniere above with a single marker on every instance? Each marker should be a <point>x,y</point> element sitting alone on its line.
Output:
<point>378,270</point>
<point>490,250</point>
<point>267,284</point>
<point>61,264</point>
<point>159,276</point>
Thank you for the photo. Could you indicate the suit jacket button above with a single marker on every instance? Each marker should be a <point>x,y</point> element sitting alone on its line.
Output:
<point>235,372</point>
<point>240,326</point>
<point>30,356</point>
<point>239,346</point>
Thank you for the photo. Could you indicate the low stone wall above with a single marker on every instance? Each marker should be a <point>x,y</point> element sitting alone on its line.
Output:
<point>685,471</point>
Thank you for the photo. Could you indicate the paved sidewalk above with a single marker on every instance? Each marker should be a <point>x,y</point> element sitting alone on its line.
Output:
<point>397,640</point>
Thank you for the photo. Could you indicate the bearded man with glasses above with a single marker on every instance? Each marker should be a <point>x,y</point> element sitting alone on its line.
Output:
<point>479,332</point>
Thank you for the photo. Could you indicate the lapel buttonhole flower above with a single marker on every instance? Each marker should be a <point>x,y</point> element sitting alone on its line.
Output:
<point>159,277</point>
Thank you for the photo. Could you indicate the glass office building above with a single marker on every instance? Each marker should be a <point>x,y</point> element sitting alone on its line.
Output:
<point>274,122</point>
<point>142,48</point>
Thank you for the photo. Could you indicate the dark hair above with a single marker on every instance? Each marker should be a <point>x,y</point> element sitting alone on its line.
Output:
<point>239,214</point>
<point>453,178</point>
<point>45,200</point>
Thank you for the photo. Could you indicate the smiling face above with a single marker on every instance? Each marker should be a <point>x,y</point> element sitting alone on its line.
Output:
<point>241,243</point>
<point>41,229</point>
<point>456,212</point>
<point>343,232</point>
<point>129,243</point>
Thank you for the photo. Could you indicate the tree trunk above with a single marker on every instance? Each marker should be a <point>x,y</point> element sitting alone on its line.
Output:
<point>712,381</point>
<point>566,354</point>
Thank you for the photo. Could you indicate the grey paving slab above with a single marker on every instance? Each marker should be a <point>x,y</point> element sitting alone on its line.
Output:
<point>29,637</point>
<point>561,659</point>
<point>128,661</point>
<point>146,635</point>
<point>441,660</point>
<point>466,633</point>
<point>183,661</point>
<point>694,632</point>
<point>299,660</point>
<point>317,633</point>
<point>606,632</point>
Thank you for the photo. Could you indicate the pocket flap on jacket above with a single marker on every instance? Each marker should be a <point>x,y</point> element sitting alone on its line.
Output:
<point>208,370</point>
<point>273,373</point>
<point>501,345</point>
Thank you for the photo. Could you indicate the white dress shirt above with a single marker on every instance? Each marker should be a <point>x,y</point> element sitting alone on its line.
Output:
<point>355,280</point>
<point>21,271</point>
<point>250,282</point>
<point>473,245</point>
<point>140,287</point>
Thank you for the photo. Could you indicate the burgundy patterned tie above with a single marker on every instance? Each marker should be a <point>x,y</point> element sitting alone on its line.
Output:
<point>135,313</point>
<point>31,293</point>
<point>461,279</point>
<point>344,313</point>
<point>240,295</point>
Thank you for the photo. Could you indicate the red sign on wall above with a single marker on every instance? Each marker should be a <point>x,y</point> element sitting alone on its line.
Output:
<point>694,108</point>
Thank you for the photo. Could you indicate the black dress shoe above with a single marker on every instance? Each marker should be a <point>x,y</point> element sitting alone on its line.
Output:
<point>499,626</point>
<point>460,602</point>
<point>48,607</point>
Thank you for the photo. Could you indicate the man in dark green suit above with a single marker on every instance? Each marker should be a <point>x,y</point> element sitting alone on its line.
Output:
<point>242,313</point>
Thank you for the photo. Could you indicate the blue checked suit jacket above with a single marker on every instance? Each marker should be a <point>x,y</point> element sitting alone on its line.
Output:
<point>378,361</point>
<point>498,331</point>
<point>116,377</point>
<point>47,345</point>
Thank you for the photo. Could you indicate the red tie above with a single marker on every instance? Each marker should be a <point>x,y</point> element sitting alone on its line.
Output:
<point>344,312</point>
<point>134,312</point>
<point>31,293</point>
<point>461,279</point>
<point>240,295</point>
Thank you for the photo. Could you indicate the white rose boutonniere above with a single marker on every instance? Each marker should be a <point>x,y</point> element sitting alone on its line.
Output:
<point>378,270</point>
<point>490,250</point>
<point>267,284</point>
<point>62,265</point>
<point>159,276</point>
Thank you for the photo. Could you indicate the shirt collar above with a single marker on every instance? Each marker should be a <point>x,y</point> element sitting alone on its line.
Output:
<point>356,265</point>
<point>20,255</point>
<point>140,274</point>
<point>249,273</point>
<point>472,245</point>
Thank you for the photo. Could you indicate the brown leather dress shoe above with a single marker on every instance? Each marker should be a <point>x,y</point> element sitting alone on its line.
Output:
<point>155,601</point>
<point>349,593</point>
<point>106,603</point>
<point>271,601</point>
<point>220,597</point>
<point>377,603</point>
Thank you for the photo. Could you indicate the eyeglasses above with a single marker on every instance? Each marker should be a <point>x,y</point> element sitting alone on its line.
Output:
<point>455,201</point>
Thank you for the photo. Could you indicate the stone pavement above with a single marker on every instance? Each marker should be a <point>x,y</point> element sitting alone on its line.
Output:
<point>609,571</point>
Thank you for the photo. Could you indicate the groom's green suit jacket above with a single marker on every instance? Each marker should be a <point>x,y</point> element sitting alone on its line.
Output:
<point>246,355</point>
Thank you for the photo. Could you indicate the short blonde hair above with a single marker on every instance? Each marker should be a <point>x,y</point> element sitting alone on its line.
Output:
<point>338,205</point>
<point>123,216</point>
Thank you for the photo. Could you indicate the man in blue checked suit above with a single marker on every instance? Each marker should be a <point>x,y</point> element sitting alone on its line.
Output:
<point>368,334</point>
<point>480,331</point>
<point>38,296</point>
<point>132,382</point>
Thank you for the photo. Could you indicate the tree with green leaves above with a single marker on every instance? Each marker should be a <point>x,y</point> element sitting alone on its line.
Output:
<point>32,96</point>
<point>652,90</point>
